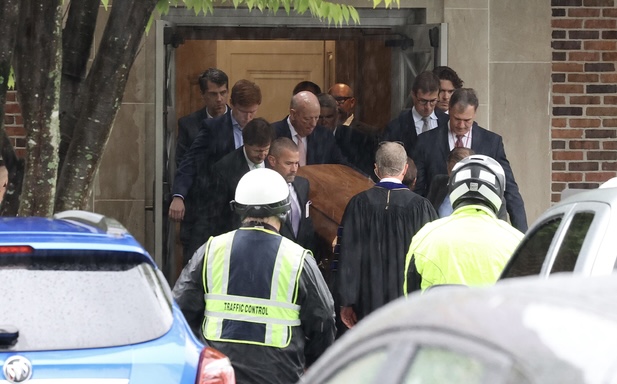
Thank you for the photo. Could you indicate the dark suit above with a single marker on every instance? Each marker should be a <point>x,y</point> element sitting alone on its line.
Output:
<point>321,146</point>
<point>214,213</point>
<point>358,143</point>
<point>306,232</point>
<point>214,140</point>
<point>403,129</point>
<point>188,128</point>
<point>431,155</point>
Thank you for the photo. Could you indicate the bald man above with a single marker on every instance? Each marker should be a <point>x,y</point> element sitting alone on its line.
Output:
<point>316,144</point>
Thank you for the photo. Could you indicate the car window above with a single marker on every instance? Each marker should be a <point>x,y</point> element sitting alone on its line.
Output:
<point>440,364</point>
<point>361,370</point>
<point>60,300</point>
<point>572,242</point>
<point>529,256</point>
<point>437,365</point>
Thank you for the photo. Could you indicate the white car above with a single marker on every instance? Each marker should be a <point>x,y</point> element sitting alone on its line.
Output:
<point>578,234</point>
<point>561,330</point>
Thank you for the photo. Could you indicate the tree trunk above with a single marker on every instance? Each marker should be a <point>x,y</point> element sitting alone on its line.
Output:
<point>100,98</point>
<point>9,18</point>
<point>77,40</point>
<point>37,76</point>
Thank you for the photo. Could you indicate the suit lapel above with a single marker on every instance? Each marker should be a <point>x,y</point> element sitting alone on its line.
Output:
<point>477,138</point>
<point>443,139</point>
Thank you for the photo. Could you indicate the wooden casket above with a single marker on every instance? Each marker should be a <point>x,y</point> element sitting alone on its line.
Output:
<point>332,186</point>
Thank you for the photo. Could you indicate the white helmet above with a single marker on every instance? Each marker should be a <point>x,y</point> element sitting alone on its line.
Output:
<point>262,192</point>
<point>477,179</point>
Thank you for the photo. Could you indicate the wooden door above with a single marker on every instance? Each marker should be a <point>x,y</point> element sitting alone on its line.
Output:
<point>276,66</point>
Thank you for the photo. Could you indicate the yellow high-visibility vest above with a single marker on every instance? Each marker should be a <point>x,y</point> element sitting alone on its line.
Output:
<point>235,261</point>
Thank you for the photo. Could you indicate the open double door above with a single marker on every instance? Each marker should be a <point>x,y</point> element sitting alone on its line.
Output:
<point>379,59</point>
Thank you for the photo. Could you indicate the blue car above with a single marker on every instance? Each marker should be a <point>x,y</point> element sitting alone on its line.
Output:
<point>82,302</point>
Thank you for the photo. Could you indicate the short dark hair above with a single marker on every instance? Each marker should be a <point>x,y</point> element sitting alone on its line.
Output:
<point>245,93</point>
<point>464,97</point>
<point>258,132</point>
<point>426,82</point>
<point>213,75</point>
<point>306,86</point>
<point>447,73</point>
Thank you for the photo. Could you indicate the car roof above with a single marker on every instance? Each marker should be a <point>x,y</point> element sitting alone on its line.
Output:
<point>67,233</point>
<point>559,323</point>
<point>605,194</point>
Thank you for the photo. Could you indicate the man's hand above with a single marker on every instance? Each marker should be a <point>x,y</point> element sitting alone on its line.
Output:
<point>348,316</point>
<point>176,209</point>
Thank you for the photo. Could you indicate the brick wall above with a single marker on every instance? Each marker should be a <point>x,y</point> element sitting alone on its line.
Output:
<point>14,124</point>
<point>584,115</point>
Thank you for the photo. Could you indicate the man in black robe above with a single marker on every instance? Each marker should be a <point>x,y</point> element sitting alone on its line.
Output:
<point>377,228</point>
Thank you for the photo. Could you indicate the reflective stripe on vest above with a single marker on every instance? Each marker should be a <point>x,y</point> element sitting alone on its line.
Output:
<point>277,314</point>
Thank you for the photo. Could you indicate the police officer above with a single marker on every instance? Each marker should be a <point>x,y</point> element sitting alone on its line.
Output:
<point>471,246</point>
<point>256,296</point>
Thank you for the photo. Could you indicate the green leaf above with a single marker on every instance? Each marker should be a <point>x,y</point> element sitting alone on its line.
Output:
<point>355,16</point>
<point>345,12</point>
<point>162,7</point>
<point>331,12</point>
<point>105,4</point>
<point>275,5</point>
<point>302,6</point>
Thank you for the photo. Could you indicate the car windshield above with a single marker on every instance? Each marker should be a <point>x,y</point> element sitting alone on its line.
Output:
<point>60,300</point>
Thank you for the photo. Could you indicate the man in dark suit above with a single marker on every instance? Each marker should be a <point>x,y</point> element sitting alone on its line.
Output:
<point>284,159</point>
<point>316,145</point>
<point>356,139</point>
<point>214,216</point>
<point>214,85</point>
<point>422,117</point>
<point>217,137</point>
<point>460,130</point>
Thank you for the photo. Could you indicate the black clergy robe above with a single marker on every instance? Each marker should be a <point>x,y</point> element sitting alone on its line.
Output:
<point>376,232</point>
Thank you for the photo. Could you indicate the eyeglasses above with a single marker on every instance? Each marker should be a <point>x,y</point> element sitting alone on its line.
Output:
<point>425,102</point>
<point>342,99</point>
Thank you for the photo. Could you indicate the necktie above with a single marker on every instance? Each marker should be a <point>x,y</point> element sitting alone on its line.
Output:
<point>301,151</point>
<point>427,124</point>
<point>459,141</point>
<point>295,210</point>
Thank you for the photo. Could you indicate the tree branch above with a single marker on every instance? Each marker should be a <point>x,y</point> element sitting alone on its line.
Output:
<point>77,40</point>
